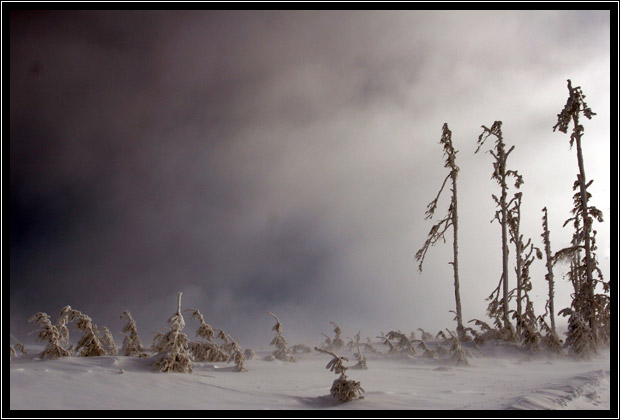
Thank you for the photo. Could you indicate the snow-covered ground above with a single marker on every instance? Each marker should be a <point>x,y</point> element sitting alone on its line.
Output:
<point>495,379</point>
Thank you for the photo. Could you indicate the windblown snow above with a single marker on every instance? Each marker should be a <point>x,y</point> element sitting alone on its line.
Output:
<point>495,379</point>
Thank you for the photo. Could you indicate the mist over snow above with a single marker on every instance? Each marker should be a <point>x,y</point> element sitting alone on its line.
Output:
<point>283,160</point>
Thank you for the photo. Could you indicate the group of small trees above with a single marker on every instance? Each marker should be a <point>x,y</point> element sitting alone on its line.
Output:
<point>589,315</point>
<point>94,342</point>
<point>173,350</point>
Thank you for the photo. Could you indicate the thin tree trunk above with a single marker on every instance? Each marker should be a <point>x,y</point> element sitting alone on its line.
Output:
<point>549,269</point>
<point>519,283</point>
<point>455,264</point>
<point>504,251</point>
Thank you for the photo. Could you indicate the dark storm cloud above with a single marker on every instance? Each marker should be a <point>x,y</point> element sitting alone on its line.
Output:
<point>270,160</point>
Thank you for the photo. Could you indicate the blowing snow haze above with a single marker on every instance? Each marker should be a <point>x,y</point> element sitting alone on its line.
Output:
<point>283,160</point>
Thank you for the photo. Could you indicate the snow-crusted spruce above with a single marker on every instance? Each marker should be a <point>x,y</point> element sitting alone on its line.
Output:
<point>132,345</point>
<point>337,342</point>
<point>361,360</point>
<point>205,350</point>
<point>236,356</point>
<point>342,389</point>
<point>18,346</point>
<point>89,345</point>
<point>282,351</point>
<point>172,347</point>
<point>458,353</point>
<point>498,307</point>
<point>49,333</point>
<point>108,341</point>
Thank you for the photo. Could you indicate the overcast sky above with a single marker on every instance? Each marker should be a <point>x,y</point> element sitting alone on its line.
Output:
<point>283,161</point>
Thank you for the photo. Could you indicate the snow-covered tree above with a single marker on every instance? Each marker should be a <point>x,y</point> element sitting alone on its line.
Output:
<point>343,389</point>
<point>205,350</point>
<point>426,336</point>
<point>403,344</point>
<point>172,347</point>
<point>89,345</point>
<point>427,353</point>
<point>458,353</point>
<point>361,359</point>
<point>61,325</point>
<point>327,344</point>
<point>49,333</point>
<point>580,341</point>
<point>526,320</point>
<point>108,341</point>
<point>386,341</point>
<point>18,346</point>
<point>549,276</point>
<point>354,342</point>
<point>337,342</point>
<point>369,347</point>
<point>501,175</point>
<point>236,355</point>
<point>132,345</point>
<point>438,231</point>
<point>594,311</point>
<point>282,351</point>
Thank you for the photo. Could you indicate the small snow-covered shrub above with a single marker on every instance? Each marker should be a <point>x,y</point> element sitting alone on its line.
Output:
<point>49,333</point>
<point>172,347</point>
<point>282,351</point>
<point>249,354</point>
<point>342,389</point>
<point>132,345</point>
<point>300,348</point>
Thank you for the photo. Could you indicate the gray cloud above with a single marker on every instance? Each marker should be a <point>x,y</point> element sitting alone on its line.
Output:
<point>283,160</point>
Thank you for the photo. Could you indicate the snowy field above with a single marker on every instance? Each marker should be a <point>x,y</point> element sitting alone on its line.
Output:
<point>496,379</point>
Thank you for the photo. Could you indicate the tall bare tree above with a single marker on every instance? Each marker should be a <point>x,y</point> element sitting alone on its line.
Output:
<point>438,231</point>
<point>583,214</point>
<point>501,175</point>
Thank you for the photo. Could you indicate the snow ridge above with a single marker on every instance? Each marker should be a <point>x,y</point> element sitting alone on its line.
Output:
<point>591,391</point>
